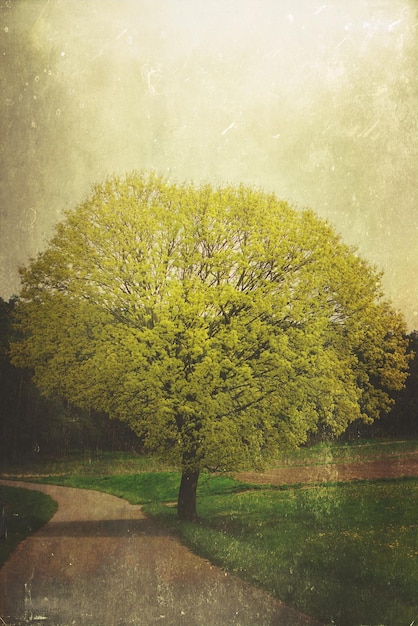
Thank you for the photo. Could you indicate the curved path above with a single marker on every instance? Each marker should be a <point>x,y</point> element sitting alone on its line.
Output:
<point>101,562</point>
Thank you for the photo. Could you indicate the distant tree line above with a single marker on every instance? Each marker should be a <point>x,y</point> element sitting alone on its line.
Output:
<point>32,425</point>
<point>400,421</point>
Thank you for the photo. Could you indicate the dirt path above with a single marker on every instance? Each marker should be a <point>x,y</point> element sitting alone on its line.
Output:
<point>387,467</point>
<point>101,562</point>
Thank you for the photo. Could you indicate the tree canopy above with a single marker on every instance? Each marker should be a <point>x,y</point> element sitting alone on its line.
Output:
<point>221,323</point>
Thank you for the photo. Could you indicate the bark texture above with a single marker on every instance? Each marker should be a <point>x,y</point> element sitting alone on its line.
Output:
<point>186,505</point>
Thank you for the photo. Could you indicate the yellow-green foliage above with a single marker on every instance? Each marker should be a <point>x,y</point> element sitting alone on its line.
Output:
<point>222,324</point>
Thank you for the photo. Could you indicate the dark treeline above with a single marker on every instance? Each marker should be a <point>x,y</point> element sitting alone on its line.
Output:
<point>34,426</point>
<point>402,421</point>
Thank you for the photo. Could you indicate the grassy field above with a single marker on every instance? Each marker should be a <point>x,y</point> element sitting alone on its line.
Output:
<point>79,464</point>
<point>361,450</point>
<point>106,463</point>
<point>26,511</point>
<point>346,554</point>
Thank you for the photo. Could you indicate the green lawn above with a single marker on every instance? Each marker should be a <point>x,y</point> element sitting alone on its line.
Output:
<point>344,553</point>
<point>110,463</point>
<point>100,463</point>
<point>26,511</point>
<point>360,450</point>
<point>147,487</point>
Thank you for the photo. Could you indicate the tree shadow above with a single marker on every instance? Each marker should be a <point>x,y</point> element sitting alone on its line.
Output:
<point>103,528</point>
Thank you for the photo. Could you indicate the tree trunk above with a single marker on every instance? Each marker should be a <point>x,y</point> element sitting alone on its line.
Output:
<point>186,505</point>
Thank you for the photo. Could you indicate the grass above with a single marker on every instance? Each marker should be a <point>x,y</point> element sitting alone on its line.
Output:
<point>147,487</point>
<point>361,450</point>
<point>75,464</point>
<point>345,553</point>
<point>105,463</point>
<point>26,512</point>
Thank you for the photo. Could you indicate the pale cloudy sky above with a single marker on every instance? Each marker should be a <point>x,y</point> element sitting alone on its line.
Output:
<point>315,101</point>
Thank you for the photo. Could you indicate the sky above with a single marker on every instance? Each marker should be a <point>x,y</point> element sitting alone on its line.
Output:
<point>316,102</point>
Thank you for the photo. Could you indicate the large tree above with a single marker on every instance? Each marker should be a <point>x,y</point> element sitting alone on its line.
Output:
<point>221,324</point>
